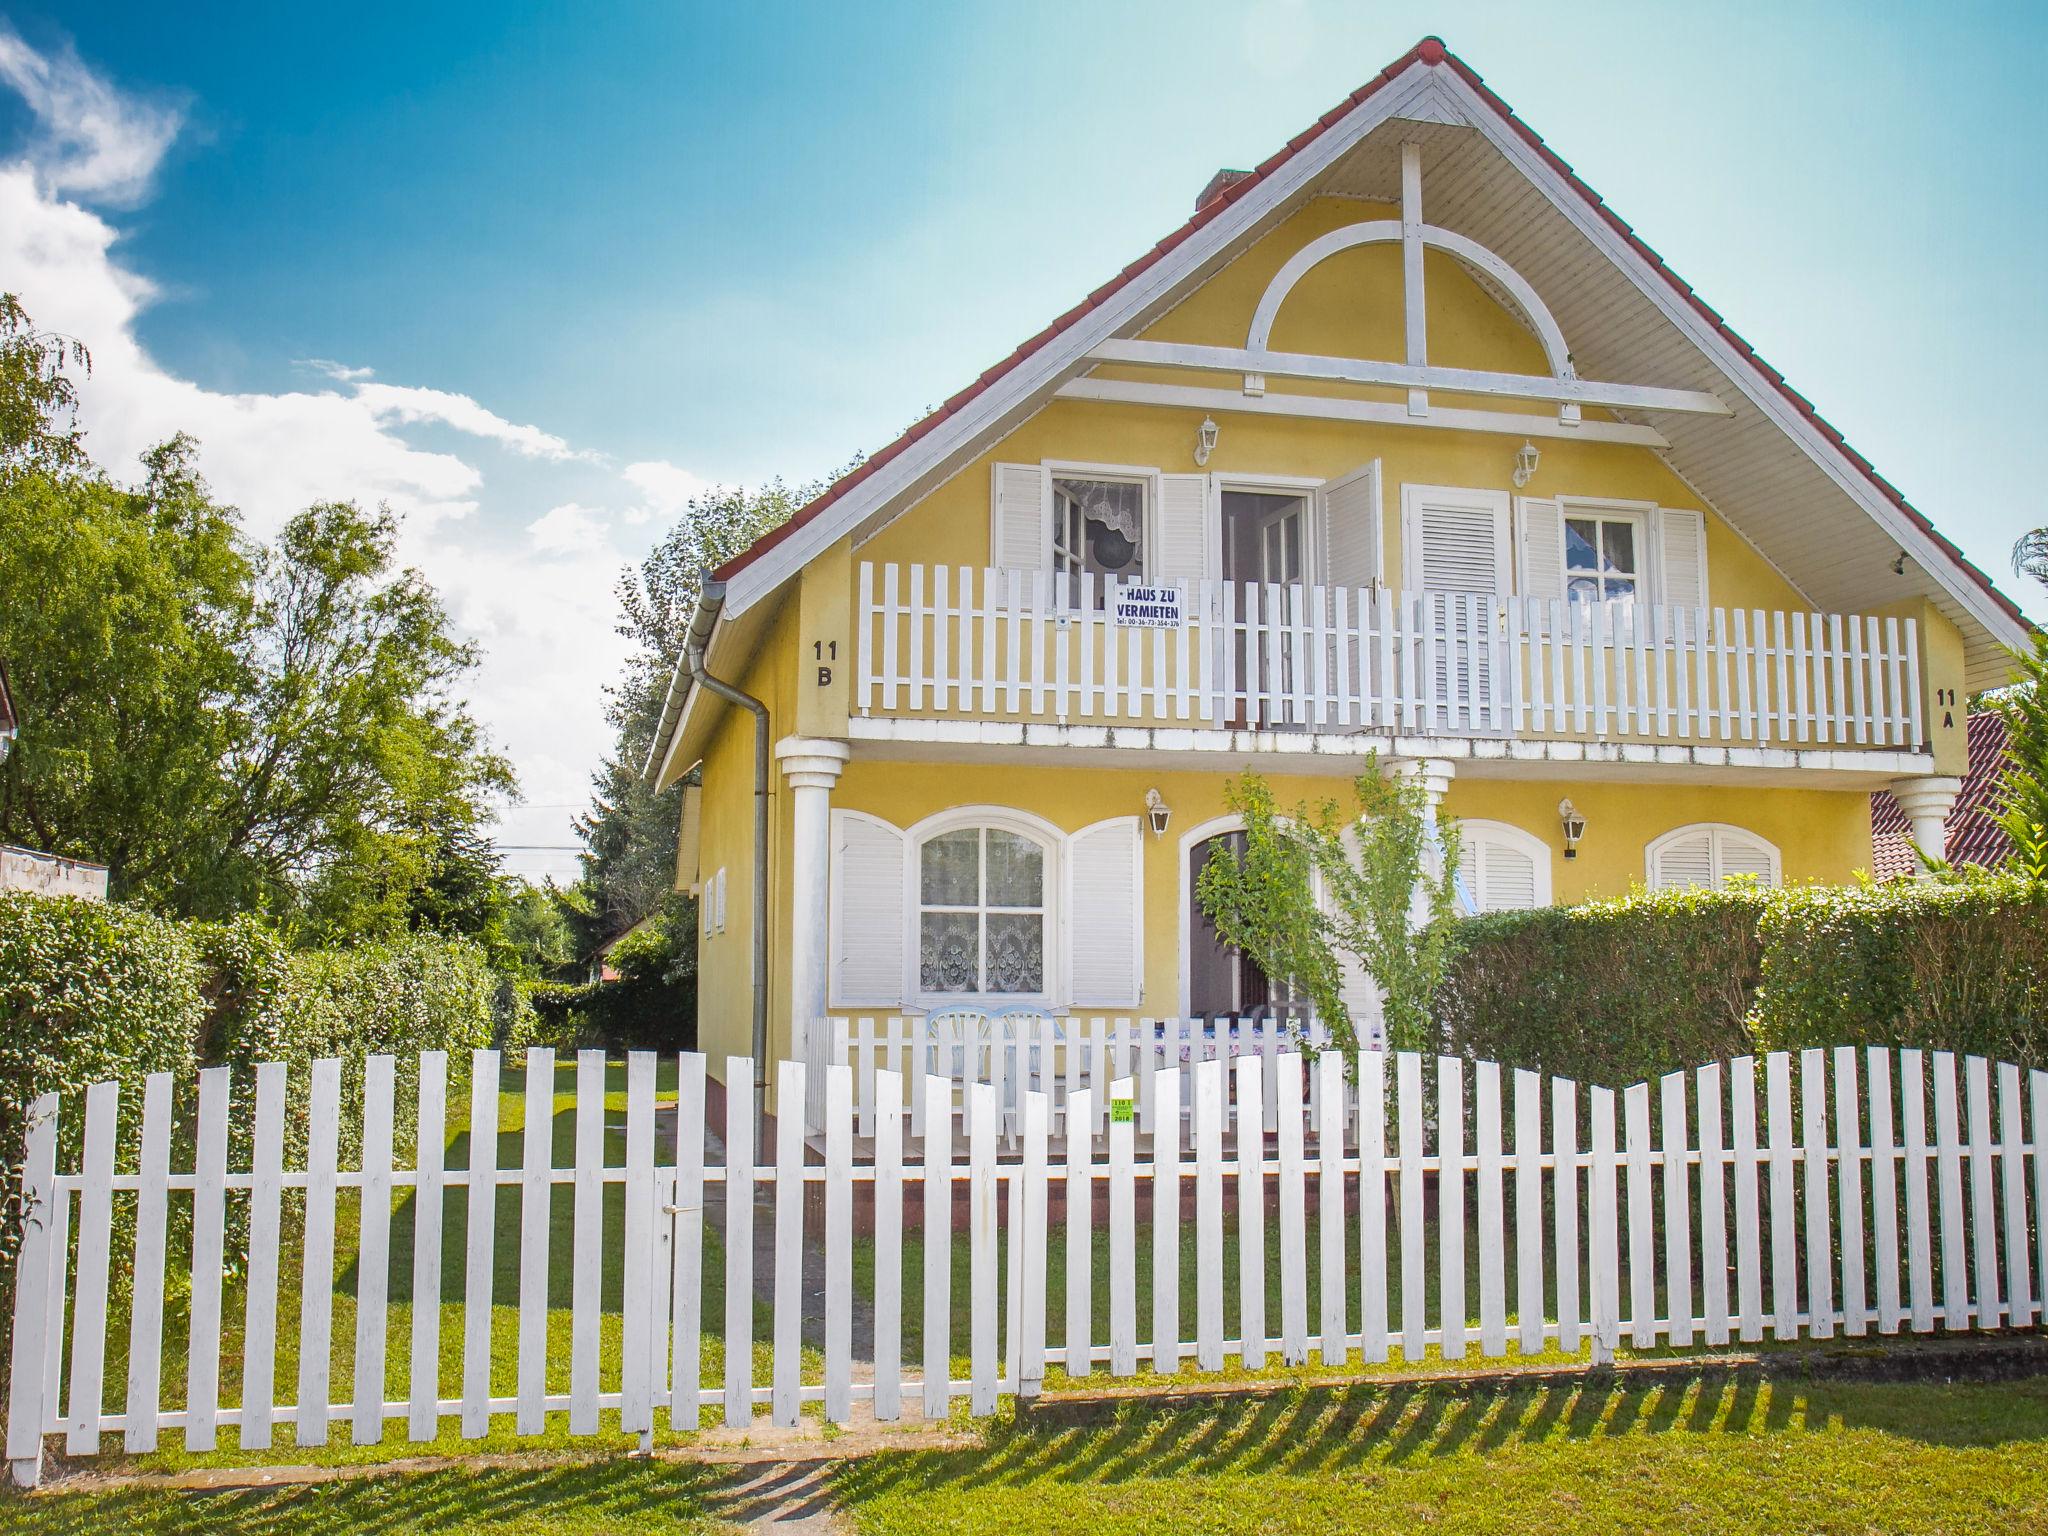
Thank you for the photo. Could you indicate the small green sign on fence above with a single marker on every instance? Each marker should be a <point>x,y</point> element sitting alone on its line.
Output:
<point>1122,1111</point>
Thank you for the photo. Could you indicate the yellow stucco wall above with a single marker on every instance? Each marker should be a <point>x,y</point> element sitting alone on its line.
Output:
<point>1821,835</point>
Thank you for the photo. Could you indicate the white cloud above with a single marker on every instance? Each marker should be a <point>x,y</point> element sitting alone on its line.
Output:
<point>569,527</point>
<point>665,489</point>
<point>91,140</point>
<point>404,404</point>
<point>542,607</point>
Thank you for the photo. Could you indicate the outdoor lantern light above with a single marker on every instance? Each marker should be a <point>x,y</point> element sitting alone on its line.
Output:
<point>1205,439</point>
<point>1526,460</point>
<point>1156,812</point>
<point>1574,827</point>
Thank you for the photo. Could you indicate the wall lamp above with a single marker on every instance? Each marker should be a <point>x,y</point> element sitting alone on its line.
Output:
<point>1205,439</point>
<point>1527,457</point>
<point>1156,812</point>
<point>1574,827</point>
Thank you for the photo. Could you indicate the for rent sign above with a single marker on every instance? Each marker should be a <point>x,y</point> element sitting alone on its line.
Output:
<point>1150,608</point>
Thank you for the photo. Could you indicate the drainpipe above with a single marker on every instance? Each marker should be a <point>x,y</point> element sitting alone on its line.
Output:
<point>711,599</point>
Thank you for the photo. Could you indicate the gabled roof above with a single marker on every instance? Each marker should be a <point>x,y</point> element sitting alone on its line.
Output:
<point>1839,519</point>
<point>1974,836</point>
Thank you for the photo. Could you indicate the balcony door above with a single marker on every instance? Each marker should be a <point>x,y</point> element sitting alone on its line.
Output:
<point>1265,558</point>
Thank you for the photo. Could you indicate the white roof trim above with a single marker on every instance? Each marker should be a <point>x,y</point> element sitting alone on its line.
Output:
<point>1740,371</point>
<point>1420,88</point>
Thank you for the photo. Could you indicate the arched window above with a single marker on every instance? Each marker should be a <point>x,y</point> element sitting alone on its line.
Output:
<point>982,911</point>
<point>1710,854</point>
<point>1501,868</point>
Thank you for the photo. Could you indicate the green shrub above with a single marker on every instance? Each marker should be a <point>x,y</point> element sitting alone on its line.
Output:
<point>1956,965</point>
<point>634,1013</point>
<point>1614,992</point>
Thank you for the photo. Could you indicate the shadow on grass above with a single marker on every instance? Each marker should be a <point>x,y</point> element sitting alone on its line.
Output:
<point>616,1495</point>
<point>1326,1431</point>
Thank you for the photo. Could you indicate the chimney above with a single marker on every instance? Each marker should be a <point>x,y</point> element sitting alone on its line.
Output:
<point>1220,183</point>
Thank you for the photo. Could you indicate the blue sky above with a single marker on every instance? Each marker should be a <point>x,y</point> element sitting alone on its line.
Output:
<point>594,257</point>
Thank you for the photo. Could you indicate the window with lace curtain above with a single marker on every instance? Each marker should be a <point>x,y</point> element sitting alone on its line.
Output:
<point>1098,529</point>
<point>981,913</point>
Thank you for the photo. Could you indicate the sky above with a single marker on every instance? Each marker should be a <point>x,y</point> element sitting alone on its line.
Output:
<point>533,275</point>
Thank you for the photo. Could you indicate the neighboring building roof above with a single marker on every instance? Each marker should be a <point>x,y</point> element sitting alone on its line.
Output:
<point>1973,836</point>
<point>1821,462</point>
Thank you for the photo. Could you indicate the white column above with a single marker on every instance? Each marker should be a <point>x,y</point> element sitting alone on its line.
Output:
<point>1927,803</point>
<point>1436,774</point>
<point>812,765</point>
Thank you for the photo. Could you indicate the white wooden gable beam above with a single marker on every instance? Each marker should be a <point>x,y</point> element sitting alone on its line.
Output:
<point>1256,359</point>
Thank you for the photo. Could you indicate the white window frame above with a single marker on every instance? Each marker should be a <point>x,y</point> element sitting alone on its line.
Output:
<point>1513,837</point>
<point>1649,553</point>
<point>1052,844</point>
<point>1718,830</point>
<point>1146,476</point>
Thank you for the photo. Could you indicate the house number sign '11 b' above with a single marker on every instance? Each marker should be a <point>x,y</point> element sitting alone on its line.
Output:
<point>1140,607</point>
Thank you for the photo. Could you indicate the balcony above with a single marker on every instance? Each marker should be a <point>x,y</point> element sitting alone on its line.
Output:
<point>946,643</point>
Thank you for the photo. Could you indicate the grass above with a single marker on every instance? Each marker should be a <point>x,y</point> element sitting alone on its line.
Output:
<point>1708,1451</point>
<point>398,1331</point>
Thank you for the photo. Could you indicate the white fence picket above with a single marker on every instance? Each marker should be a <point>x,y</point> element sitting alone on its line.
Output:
<point>480,1244</point>
<point>740,1153</point>
<point>638,1351</point>
<point>789,1245</point>
<point>1713,1207</point>
<point>1528,1155</point>
<point>1564,1136</point>
<point>888,1277</point>
<point>586,1271</point>
<point>938,1245</point>
<point>316,1272</point>
<point>430,1142</point>
<point>1372,1206</point>
<point>32,1377</point>
<point>146,1305</point>
<point>1492,1244</point>
<point>1677,1212</point>
<point>209,1245</point>
<point>1208,1133</point>
<point>536,1199</point>
<point>1450,1205</point>
<point>373,1253</point>
<point>1249,1143</point>
<point>1166,1222</point>
<point>1293,1216</point>
<point>984,1114</point>
<point>259,1311</point>
<point>838,1244</point>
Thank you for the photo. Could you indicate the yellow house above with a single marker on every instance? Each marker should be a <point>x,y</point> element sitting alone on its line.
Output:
<point>1403,448</point>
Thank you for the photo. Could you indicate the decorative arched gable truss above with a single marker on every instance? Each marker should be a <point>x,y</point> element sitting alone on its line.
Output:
<point>1256,359</point>
<point>1708,854</point>
<point>1501,868</point>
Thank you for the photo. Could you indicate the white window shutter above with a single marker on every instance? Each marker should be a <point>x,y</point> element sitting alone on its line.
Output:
<point>1682,548</point>
<point>1503,868</point>
<point>1455,540</point>
<point>1542,548</point>
<point>1349,508</point>
<point>869,894</point>
<point>1182,554</point>
<point>1683,861</point>
<point>1104,911</point>
<point>1020,529</point>
<point>1743,854</point>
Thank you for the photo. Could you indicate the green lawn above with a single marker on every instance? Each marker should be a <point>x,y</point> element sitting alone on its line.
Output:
<point>1707,1451</point>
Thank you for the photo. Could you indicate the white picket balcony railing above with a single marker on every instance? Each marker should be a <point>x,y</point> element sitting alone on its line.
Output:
<point>945,641</point>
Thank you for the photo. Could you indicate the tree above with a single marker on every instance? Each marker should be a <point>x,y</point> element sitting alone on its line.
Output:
<point>2023,790</point>
<point>38,402</point>
<point>2030,555</point>
<point>1386,875</point>
<point>630,831</point>
<point>228,726</point>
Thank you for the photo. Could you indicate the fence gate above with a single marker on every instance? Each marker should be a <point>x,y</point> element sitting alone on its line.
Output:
<point>1321,1208</point>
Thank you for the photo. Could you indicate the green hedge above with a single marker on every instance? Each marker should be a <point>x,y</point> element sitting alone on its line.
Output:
<point>1959,966</point>
<point>1614,992</point>
<point>1622,991</point>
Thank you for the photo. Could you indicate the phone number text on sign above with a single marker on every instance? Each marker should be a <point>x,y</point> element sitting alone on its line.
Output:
<point>1150,608</point>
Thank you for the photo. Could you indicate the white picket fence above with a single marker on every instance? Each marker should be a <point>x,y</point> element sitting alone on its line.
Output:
<point>1008,644</point>
<point>1055,1055</point>
<point>1666,1214</point>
